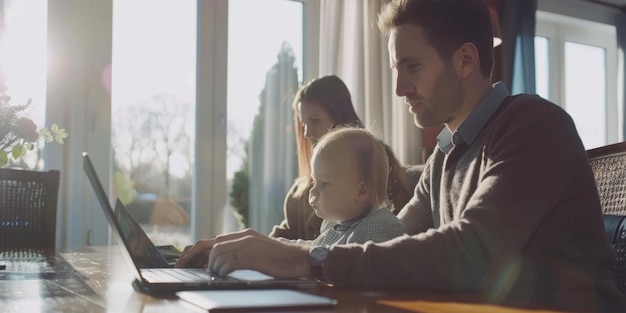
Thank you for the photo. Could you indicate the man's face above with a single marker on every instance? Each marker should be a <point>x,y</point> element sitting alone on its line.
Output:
<point>430,86</point>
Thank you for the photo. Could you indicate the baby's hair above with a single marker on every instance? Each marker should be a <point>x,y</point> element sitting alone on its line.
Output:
<point>370,155</point>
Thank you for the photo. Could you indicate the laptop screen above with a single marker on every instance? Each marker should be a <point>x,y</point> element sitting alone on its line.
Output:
<point>140,247</point>
<point>127,231</point>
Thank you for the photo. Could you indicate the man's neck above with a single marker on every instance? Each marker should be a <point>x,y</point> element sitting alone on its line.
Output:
<point>474,94</point>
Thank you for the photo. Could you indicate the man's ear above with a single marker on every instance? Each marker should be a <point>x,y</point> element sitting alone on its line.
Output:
<point>364,192</point>
<point>466,60</point>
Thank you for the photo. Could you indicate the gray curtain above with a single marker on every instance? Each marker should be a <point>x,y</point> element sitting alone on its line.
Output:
<point>352,48</point>
<point>518,43</point>
<point>620,25</point>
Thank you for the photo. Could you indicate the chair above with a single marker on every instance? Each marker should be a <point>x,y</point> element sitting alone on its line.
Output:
<point>28,207</point>
<point>609,167</point>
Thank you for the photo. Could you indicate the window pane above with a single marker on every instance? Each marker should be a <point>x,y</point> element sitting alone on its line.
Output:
<point>542,67</point>
<point>153,105</point>
<point>23,52</point>
<point>264,70</point>
<point>585,91</point>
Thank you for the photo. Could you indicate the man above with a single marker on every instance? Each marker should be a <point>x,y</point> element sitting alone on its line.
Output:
<point>507,205</point>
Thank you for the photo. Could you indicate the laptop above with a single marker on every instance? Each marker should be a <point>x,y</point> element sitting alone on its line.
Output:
<point>153,274</point>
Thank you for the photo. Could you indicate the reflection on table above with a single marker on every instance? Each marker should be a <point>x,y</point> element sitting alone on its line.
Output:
<point>97,279</point>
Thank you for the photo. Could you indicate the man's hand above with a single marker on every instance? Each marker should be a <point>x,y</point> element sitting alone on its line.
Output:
<point>196,255</point>
<point>248,249</point>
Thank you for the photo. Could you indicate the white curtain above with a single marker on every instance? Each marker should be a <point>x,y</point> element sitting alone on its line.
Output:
<point>352,48</point>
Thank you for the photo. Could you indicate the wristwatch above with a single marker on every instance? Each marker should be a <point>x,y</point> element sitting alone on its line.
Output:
<point>317,260</point>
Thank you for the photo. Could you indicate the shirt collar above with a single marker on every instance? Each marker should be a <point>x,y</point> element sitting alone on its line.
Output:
<point>470,128</point>
<point>345,225</point>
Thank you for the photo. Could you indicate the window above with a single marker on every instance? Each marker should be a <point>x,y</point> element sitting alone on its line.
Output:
<point>265,68</point>
<point>576,65</point>
<point>153,105</point>
<point>174,135</point>
<point>154,102</point>
<point>23,54</point>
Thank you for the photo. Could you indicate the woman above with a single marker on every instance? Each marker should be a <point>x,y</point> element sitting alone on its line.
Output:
<point>319,106</point>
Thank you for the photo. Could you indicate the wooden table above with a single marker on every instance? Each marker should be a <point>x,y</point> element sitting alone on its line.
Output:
<point>97,279</point>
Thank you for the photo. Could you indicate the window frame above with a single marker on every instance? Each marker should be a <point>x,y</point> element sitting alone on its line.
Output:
<point>210,155</point>
<point>78,102</point>
<point>559,29</point>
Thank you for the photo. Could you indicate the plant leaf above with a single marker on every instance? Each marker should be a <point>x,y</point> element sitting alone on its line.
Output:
<point>16,152</point>
<point>59,135</point>
<point>45,133</point>
<point>4,158</point>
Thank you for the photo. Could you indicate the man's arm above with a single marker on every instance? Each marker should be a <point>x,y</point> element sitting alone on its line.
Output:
<point>532,164</point>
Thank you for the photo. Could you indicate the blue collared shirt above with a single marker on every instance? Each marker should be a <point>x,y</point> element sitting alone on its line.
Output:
<point>469,129</point>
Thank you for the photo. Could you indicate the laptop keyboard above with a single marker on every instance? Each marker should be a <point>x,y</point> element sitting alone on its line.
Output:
<point>24,261</point>
<point>21,254</point>
<point>176,274</point>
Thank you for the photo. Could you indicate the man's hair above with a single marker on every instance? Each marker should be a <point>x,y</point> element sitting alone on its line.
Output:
<point>447,25</point>
<point>370,155</point>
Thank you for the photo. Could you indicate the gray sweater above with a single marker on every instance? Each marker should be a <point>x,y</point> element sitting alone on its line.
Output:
<point>377,226</point>
<point>513,216</point>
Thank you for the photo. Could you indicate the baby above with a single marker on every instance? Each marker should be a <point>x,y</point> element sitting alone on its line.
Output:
<point>349,168</point>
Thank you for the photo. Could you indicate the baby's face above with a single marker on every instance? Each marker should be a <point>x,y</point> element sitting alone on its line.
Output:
<point>336,185</point>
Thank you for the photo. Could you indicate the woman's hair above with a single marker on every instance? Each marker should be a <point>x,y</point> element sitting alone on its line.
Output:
<point>370,155</point>
<point>447,25</point>
<point>333,96</point>
<point>330,93</point>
